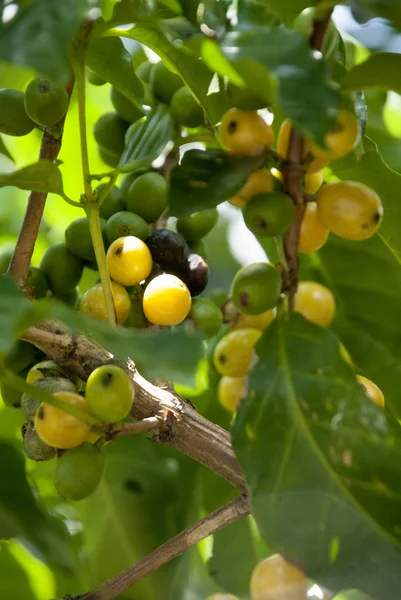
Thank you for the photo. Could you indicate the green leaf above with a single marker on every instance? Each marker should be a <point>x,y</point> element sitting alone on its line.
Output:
<point>42,176</point>
<point>287,11</point>
<point>109,59</point>
<point>313,446</point>
<point>305,94</point>
<point>148,141</point>
<point>134,11</point>
<point>352,595</point>
<point>40,35</point>
<point>205,178</point>
<point>364,10</point>
<point>380,71</point>
<point>12,309</point>
<point>4,150</point>
<point>14,580</point>
<point>194,73</point>
<point>22,517</point>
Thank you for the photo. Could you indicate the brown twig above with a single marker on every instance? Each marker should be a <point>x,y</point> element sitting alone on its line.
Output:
<point>228,514</point>
<point>293,173</point>
<point>21,259</point>
<point>148,424</point>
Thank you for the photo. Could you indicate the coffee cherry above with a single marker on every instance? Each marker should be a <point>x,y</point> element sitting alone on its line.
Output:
<point>164,82</point>
<point>34,447</point>
<point>110,393</point>
<point>113,203</point>
<point>136,317</point>
<point>198,225</point>
<point>269,215</point>
<point>258,182</point>
<point>124,107</point>
<point>62,269</point>
<point>277,579</point>
<point>144,70</point>
<point>36,284</point>
<point>123,224</point>
<point>166,300</point>
<point>313,234</point>
<point>256,288</point>
<point>233,353</point>
<point>372,391</point>
<point>243,99</point>
<point>343,138</point>
<point>245,132</point>
<point>147,196</point>
<point>10,396</point>
<point>109,132</point>
<point>230,392</point>
<point>194,273</point>
<point>70,298</point>
<point>313,182</point>
<point>58,428</point>
<point>13,117</point>
<point>242,321</point>
<point>206,316</point>
<point>129,260</point>
<point>78,238</point>
<point>45,102</point>
<point>93,302</point>
<point>315,302</point>
<point>351,210</point>
<point>283,139</point>
<point>20,356</point>
<point>79,471</point>
<point>53,384</point>
<point>109,158</point>
<point>219,296</point>
<point>93,78</point>
<point>185,110</point>
<point>168,249</point>
<point>42,370</point>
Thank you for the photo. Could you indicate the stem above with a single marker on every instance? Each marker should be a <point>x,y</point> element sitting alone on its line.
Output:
<point>147,424</point>
<point>230,513</point>
<point>79,70</point>
<point>92,212</point>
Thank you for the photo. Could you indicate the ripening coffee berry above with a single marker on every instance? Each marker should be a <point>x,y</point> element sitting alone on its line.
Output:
<point>245,132</point>
<point>13,117</point>
<point>109,393</point>
<point>93,302</point>
<point>45,102</point>
<point>256,288</point>
<point>277,579</point>
<point>34,447</point>
<point>372,391</point>
<point>269,215</point>
<point>147,196</point>
<point>206,315</point>
<point>233,353</point>
<point>63,270</point>
<point>315,302</point>
<point>197,225</point>
<point>313,234</point>
<point>258,182</point>
<point>79,471</point>
<point>166,300</point>
<point>343,137</point>
<point>230,392</point>
<point>313,182</point>
<point>58,428</point>
<point>129,260</point>
<point>243,321</point>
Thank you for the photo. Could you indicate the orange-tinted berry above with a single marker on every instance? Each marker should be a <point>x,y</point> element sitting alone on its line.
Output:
<point>313,234</point>
<point>245,132</point>
<point>315,302</point>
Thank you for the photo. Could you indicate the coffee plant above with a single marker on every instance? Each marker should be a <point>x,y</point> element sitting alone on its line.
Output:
<point>180,417</point>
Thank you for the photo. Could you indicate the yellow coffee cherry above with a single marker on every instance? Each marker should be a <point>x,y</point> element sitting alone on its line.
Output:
<point>129,260</point>
<point>351,210</point>
<point>283,138</point>
<point>93,303</point>
<point>230,392</point>
<point>242,321</point>
<point>343,138</point>
<point>313,182</point>
<point>315,302</point>
<point>277,579</point>
<point>258,182</point>
<point>166,300</point>
<point>316,164</point>
<point>233,353</point>
<point>58,428</point>
<point>245,133</point>
<point>313,234</point>
<point>372,391</point>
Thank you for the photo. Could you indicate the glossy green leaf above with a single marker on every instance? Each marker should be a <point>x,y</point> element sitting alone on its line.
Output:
<point>22,517</point>
<point>42,176</point>
<point>4,150</point>
<point>14,580</point>
<point>129,11</point>
<point>205,178</point>
<point>304,94</point>
<point>109,59</point>
<point>380,71</point>
<point>194,73</point>
<point>316,450</point>
<point>287,11</point>
<point>148,141</point>
<point>40,35</point>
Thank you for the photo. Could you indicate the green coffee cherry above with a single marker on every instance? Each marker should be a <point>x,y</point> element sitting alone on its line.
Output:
<point>10,396</point>
<point>136,318</point>
<point>256,288</point>
<point>114,201</point>
<point>147,196</point>
<point>79,471</point>
<point>206,315</point>
<point>199,224</point>
<point>45,102</point>
<point>269,214</point>
<point>109,393</point>
<point>243,99</point>
<point>219,296</point>
<point>126,223</point>
<point>109,131</point>
<point>185,110</point>
<point>109,158</point>
<point>199,247</point>
<point>164,82</point>
<point>93,78</point>
<point>36,284</point>
<point>20,356</point>
<point>126,184</point>
<point>124,107</point>
<point>71,298</point>
<point>144,70</point>
<point>13,117</point>
<point>62,269</point>
<point>34,447</point>
<point>78,238</point>
<point>29,404</point>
